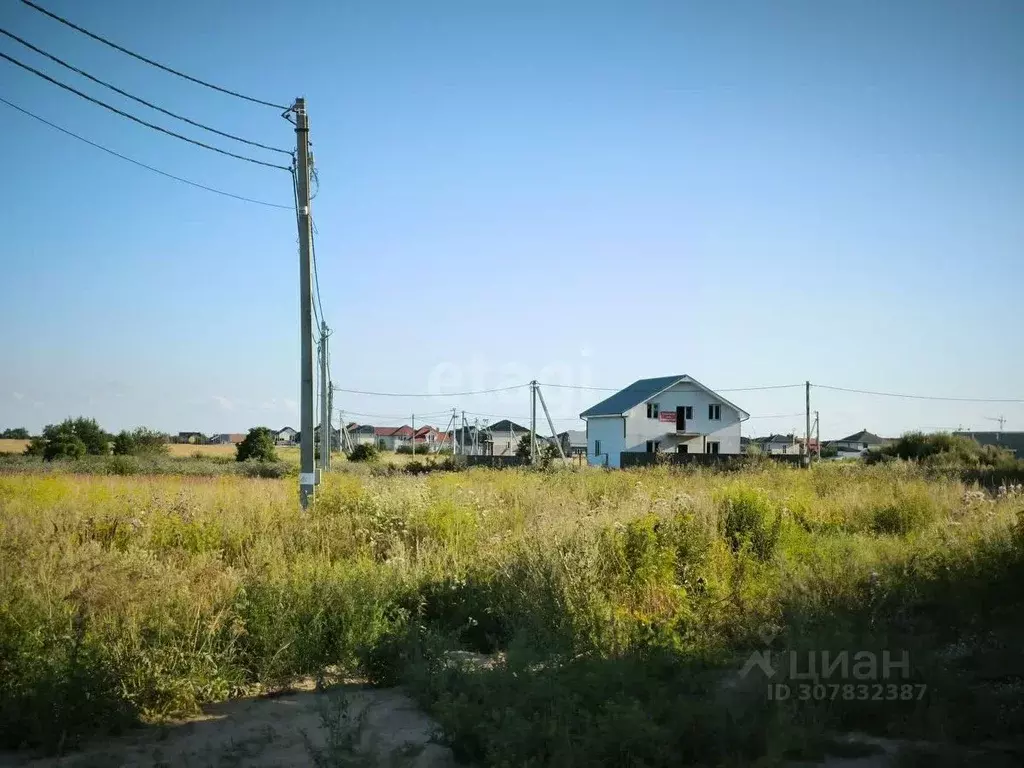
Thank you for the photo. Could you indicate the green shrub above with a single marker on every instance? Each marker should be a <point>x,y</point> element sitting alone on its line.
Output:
<point>941,449</point>
<point>364,452</point>
<point>71,439</point>
<point>64,446</point>
<point>16,433</point>
<point>265,469</point>
<point>138,442</point>
<point>123,465</point>
<point>911,511</point>
<point>258,445</point>
<point>751,517</point>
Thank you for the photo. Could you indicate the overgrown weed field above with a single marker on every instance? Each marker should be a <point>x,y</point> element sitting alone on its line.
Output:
<point>616,609</point>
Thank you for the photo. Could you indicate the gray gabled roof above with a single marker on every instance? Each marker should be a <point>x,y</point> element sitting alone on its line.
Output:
<point>863,437</point>
<point>505,425</point>
<point>643,390</point>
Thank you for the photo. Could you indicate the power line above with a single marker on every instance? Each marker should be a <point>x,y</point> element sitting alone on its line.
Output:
<point>138,120</point>
<point>431,394</point>
<point>632,387</point>
<point>156,64</point>
<point>114,88</point>
<point>316,272</point>
<point>393,415</point>
<point>921,397</point>
<point>141,165</point>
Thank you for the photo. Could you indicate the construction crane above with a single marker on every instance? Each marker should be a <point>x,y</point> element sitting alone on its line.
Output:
<point>1000,419</point>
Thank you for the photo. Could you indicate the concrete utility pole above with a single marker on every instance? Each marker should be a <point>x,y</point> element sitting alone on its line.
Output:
<point>413,434</point>
<point>817,433</point>
<point>533,421</point>
<point>325,414</point>
<point>307,470</point>
<point>807,432</point>
<point>455,439</point>
<point>551,424</point>
<point>330,421</point>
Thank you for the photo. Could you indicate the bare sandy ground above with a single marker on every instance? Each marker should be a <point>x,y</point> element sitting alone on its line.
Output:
<point>344,726</point>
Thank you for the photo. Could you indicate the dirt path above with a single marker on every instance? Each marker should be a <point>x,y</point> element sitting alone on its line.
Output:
<point>345,726</point>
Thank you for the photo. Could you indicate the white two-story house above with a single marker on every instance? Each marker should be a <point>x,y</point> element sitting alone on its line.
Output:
<point>669,413</point>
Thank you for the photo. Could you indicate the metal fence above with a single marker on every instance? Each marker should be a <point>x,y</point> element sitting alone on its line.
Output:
<point>628,460</point>
<point>495,462</point>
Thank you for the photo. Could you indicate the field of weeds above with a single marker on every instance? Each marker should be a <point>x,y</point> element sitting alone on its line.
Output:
<point>612,611</point>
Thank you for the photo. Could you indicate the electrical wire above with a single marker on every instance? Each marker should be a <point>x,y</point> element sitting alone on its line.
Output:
<point>392,415</point>
<point>138,120</point>
<point>921,397</point>
<point>431,394</point>
<point>645,388</point>
<point>316,272</point>
<point>140,164</point>
<point>149,104</point>
<point>156,64</point>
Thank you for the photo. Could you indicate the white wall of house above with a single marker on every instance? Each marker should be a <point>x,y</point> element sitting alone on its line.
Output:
<point>639,428</point>
<point>505,445</point>
<point>725,431</point>
<point>780,447</point>
<point>604,440</point>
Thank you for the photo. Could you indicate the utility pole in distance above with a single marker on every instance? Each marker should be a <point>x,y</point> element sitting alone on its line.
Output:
<point>533,421</point>
<point>330,422</point>
<point>307,470</point>
<point>325,415</point>
<point>807,433</point>
<point>817,433</point>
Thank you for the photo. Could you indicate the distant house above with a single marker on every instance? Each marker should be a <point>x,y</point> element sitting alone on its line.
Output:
<point>427,437</point>
<point>858,443</point>
<point>505,436</point>
<point>360,434</point>
<point>778,444</point>
<point>390,438</point>
<point>195,438</point>
<point>286,436</point>
<point>227,438</point>
<point>471,440</point>
<point>1011,441</point>
<point>574,442</point>
<point>668,413</point>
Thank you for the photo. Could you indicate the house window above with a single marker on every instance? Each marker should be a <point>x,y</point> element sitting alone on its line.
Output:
<point>682,449</point>
<point>652,410</point>
<point>715,412</point>
<point>688,414</point>
<point>653,446</point>
<point>597,447</point>
<point>712,447</point>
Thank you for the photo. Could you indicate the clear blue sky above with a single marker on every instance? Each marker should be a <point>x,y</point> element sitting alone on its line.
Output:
<point>587,192</point>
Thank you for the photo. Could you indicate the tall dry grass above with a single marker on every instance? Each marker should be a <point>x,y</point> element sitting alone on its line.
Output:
<point>144,597</point>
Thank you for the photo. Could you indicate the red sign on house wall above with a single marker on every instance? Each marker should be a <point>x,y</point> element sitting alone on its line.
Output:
<point>667,416</point>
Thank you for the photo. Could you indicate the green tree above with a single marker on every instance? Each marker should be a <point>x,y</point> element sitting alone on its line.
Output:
<point>138,442</point>
<point>257,445</point>
<point>97,442</point>
<point>15,433</point>
<point>72,438</point>
<point>523,448</point>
